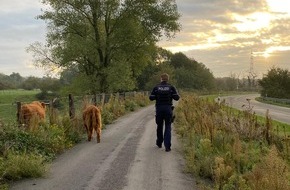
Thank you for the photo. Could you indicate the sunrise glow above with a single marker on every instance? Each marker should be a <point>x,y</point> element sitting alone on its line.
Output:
<point>184,48</point>
<point>277,48</point>
<point>266,55</point>
<point>252,22</point>
<point>281,6</point>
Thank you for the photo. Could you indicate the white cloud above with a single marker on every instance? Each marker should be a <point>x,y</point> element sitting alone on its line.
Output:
<point>19,29</point>
<point>219,33</point>
<point>15,6</point>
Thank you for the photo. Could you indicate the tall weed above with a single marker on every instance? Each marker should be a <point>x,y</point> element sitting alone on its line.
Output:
<point>227,146</point>
<point>272,173</point>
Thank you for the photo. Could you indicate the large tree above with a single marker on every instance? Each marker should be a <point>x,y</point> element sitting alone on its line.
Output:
<point>109,40</point>
<point>191,74</point>
<point>276,83</point>
<point>31,83</point>
<point>185,73</point>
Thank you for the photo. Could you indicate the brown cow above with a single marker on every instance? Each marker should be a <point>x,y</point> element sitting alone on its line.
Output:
<point>92,121</point>
<point>35,110</point>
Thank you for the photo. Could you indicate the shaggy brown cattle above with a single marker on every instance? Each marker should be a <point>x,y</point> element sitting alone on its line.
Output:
<point>92,121</point>
<point>35,110</point>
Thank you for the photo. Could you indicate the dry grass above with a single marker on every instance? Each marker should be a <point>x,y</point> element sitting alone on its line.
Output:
<point>227,146</point>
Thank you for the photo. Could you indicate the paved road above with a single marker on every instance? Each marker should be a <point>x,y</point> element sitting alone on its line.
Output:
<point>278,113</point>
<point>126,159</point>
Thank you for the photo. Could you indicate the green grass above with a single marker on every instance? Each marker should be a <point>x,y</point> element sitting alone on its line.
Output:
<point>279,127</point>
<point>10,96</point>
<point>282,104</point>
<point>8,99</point>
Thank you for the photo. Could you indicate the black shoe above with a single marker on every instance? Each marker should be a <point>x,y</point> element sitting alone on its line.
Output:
<point>167,149</point>
<point>159,145</point>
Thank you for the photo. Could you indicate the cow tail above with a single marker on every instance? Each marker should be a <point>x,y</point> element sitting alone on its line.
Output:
<point>94,118</point>
<point>99,125</point>
<point>99,116</point>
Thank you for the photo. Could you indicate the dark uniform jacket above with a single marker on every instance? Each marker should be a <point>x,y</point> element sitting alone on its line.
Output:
<point>163,93</point>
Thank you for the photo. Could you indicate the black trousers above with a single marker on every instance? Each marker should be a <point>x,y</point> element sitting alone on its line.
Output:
<point>163,116</point>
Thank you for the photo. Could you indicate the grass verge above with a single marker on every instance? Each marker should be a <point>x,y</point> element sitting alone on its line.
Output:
<point>230,149</point>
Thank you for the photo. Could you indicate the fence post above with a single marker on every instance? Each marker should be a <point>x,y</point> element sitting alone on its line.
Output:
<point>71,106</point>
<point>117,97</point>
<point>18,112</point>
<point>52,115</point>
<point>95,99</point>
<point>103,99</point>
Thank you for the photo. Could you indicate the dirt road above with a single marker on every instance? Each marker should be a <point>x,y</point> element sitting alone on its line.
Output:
<point>127,158</point>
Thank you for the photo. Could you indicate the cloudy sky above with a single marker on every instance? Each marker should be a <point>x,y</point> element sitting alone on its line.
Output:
<point>224,35</point>
<point>19,29</point>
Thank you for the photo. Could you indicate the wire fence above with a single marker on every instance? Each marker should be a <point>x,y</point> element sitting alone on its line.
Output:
<point>66,106</point>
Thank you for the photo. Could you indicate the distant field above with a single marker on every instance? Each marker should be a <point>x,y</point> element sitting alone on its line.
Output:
<point>8,99</point>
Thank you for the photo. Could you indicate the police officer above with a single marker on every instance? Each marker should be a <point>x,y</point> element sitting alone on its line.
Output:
<point>163,93</point>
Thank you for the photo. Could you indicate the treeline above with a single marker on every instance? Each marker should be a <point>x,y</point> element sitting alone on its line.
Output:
<point>16,81</point>
<point>185,73</point>
<point>48,85</point>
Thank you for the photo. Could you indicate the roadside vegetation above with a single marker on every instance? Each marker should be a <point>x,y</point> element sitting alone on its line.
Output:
<point>230,149</point>
<point>27,152</point>
<point>275,101</point>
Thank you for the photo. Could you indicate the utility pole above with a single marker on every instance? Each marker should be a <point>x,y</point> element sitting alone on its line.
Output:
<point>252,74</point>
<point>251,64</point>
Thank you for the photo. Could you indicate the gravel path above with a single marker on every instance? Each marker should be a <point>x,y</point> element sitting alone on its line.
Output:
<point>127,158</point>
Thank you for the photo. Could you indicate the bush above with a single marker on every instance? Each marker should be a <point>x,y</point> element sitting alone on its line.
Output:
<point>73,130</point>
<point>130,105</point>
<point>22,165</point>
<point>47,140</point>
